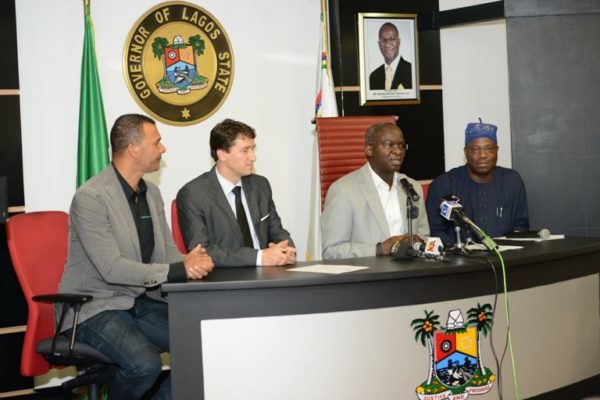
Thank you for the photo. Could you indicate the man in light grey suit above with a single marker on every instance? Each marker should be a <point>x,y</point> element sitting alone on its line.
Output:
<point>364,213</point>
<point>120,251</point>
<point>229,210</point>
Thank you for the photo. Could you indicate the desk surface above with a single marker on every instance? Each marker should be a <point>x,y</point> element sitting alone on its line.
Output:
<point>386,268</point>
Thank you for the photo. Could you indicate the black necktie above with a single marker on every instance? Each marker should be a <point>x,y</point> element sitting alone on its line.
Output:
<point>241,217</point>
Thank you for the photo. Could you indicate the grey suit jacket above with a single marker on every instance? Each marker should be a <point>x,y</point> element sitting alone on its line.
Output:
<point>205,217</point>
<point>353,220</point>
<point>104,257</point>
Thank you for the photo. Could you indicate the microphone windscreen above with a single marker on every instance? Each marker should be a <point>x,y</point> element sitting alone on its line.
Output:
<point>401,250</point>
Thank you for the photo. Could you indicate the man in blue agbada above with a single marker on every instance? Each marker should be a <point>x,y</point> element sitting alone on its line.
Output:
<point>493,197</point>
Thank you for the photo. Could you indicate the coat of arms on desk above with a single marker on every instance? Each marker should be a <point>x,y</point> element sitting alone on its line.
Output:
<point>456,369</point>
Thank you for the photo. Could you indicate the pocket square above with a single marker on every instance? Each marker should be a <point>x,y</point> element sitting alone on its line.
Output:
<point>265,217</point>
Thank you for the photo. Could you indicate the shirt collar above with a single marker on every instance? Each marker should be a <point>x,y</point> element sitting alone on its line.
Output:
<point>225,184</point>
<point>380,183</point>
<point>129,192</point>
<point>394,63</point>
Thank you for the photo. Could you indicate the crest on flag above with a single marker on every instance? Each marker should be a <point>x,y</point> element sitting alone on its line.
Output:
<point>178,63</point>
<point>456,368</point>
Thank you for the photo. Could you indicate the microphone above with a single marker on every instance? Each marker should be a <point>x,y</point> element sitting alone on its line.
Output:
<point>400,250</point>
<point>433,249</point>
<point>434,245</point>
<point>409,189</point>
<point>453,211</point>
<point>543,233</point>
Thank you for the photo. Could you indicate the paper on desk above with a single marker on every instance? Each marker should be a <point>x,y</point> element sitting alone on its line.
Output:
<point>501,247</point>
<point>328,269</point>
<point>537,239</point>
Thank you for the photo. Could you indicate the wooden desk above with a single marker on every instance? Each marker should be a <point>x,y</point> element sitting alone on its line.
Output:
<point>557,281</point>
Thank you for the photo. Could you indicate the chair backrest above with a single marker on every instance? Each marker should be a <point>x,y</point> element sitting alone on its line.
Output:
<point>342,146</point>
<point>38,243</point>
<point>177,236</point>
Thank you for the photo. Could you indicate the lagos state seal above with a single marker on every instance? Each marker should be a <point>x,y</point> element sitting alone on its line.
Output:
<point>178,63</point>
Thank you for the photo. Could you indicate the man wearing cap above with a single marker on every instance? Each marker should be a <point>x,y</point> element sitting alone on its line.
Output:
<point>493,197</point>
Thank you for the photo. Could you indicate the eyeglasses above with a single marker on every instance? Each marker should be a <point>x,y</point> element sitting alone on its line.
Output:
<point>388,41</point>
<point>485,149</point>
<point>391,145</point>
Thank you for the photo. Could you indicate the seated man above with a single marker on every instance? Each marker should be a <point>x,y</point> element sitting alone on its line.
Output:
<point>493,197</point>
<point>229,210</point>
<point>365,211</point>
<point>120,251</point>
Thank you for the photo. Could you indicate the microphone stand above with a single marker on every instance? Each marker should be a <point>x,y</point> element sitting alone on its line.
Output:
<point>409,217</point>
<point>459,245</point>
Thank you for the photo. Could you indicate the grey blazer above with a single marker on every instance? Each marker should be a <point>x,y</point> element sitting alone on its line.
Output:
<point>353,220</point>
<point>206,217</point>
<point>104,257</point>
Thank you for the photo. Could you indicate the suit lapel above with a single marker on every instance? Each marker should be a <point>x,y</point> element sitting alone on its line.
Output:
<point>370,192</point>
<point>402,200</point>
<point>252,199</point>
<point>159,252</point>
<point>115,193</point>
<point>219,198</point>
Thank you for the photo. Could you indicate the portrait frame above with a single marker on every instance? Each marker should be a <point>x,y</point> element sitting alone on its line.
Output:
<point>372,64</point>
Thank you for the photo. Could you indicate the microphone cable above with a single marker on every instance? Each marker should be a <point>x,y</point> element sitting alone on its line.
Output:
<point>489,242</point>
<point>498,361</point>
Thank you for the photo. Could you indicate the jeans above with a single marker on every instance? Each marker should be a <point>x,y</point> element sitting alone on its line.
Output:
<point>133,339</point>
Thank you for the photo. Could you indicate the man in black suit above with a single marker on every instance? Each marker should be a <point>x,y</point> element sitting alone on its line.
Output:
<point>230,210</point>
<point>396,72</point>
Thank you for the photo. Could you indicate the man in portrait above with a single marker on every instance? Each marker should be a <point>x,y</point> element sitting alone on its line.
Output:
<point>395,73</point>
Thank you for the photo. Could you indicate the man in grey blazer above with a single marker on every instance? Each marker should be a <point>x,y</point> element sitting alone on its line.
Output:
<point>365,213</point>
<point>236,229</point>
<point>120,251</point>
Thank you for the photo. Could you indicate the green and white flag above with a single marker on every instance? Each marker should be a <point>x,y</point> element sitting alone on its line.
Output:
<point>92,148</point>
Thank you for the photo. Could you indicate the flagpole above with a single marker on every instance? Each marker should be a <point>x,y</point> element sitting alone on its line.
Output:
<point>324,12</point>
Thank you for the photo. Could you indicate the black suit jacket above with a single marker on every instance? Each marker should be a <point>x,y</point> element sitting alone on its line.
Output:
<point>205,217</point>
<point>402,76</point>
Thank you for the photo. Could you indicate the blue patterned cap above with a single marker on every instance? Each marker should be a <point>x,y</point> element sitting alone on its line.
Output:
<point>476,130</point>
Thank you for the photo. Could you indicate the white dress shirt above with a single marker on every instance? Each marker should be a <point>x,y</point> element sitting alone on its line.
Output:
<point>228,190</point>
<point>390,202</point>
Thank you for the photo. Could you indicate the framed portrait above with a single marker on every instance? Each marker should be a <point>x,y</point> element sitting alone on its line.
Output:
<point>388,59</point>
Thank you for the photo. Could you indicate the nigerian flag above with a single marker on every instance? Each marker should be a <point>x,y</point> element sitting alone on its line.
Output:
<point>92,148</point>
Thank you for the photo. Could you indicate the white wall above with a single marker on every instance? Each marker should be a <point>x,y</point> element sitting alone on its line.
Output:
<point>475,82</point>
<point>275,47</point>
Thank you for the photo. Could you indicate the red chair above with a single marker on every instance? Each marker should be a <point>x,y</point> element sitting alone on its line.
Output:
<point>37,243</point>
<point>342,146</point>
<point>177,236</point>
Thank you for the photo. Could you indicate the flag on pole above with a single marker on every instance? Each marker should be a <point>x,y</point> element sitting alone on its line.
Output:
<point>325,106</point>
<point>92,148</point>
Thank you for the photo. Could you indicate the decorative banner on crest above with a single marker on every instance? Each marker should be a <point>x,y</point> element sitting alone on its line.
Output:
<point>178,63</point>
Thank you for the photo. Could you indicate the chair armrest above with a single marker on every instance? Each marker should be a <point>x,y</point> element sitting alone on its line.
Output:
<point>68,301</point>
<point>69,298</point>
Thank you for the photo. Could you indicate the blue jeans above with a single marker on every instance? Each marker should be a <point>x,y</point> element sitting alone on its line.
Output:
<point>133,339</point>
